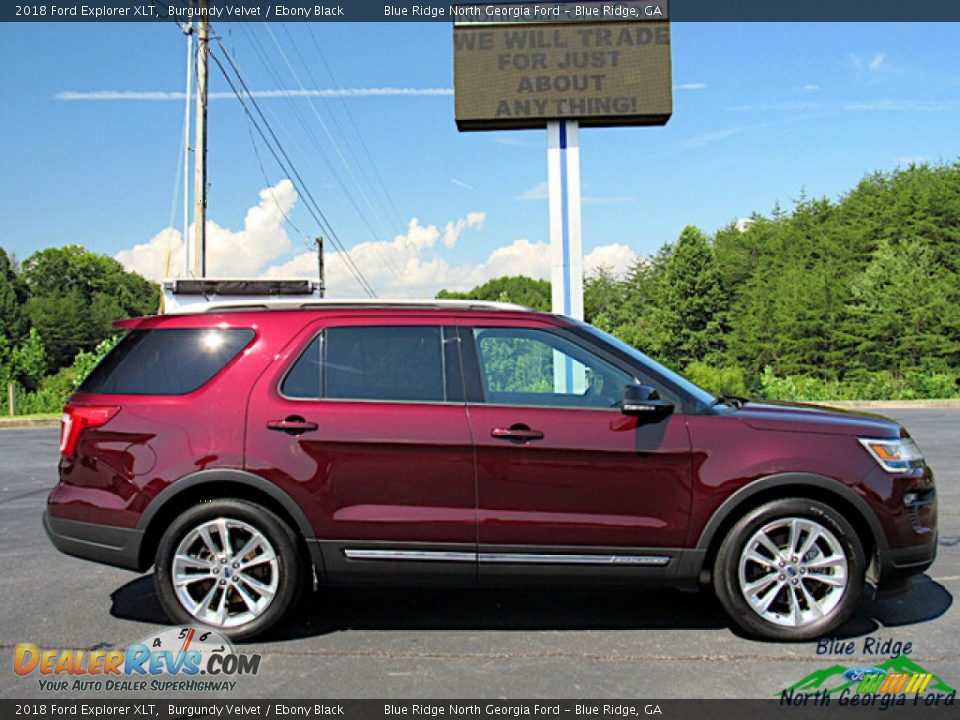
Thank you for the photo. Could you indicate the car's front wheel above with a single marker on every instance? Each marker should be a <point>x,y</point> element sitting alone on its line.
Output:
<point>231,565</point>
<point>791,569</point>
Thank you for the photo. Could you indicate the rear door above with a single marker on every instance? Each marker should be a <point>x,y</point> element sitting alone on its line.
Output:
<point>564,478</point>
<point>364,423</point>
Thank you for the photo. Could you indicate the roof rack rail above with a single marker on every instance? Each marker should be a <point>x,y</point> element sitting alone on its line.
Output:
<point>207,295</point>
<point>252,305</point>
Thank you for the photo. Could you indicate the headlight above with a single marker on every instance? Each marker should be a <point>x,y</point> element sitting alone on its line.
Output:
<point>895,455</point>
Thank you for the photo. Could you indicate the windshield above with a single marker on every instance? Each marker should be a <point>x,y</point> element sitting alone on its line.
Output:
<point>684,385</point>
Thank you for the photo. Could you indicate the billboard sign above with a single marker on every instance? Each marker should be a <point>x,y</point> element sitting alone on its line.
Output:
<point>600,62</point>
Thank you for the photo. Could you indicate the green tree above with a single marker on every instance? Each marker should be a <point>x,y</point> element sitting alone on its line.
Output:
<point>28,361</point>
<point>12,296</point>
<point>906,308</point>
<point>75,296</point>
<point>689,318</point>
<point>518,289</point>
<point>604,296</point>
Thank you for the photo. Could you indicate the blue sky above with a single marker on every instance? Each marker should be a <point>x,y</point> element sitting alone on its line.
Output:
<point>760,112</point>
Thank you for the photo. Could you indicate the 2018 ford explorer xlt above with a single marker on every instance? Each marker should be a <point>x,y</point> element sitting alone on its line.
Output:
<point>245,452</point>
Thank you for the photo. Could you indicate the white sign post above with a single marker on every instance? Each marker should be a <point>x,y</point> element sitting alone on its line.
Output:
<point>566,241</point>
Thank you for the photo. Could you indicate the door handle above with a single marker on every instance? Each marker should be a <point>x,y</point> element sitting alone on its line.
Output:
<point>293,425</point>
<point>518,433</point>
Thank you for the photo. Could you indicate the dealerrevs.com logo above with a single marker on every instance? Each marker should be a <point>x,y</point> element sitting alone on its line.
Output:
<point>186,659</point>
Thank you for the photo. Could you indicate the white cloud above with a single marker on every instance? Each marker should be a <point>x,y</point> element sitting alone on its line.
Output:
<point>161,256</point>
<point>698,141</point>
<point>161,95</point>
<point>521,257</point>
<point>537,192</point>
<point>811,87</point>
<point>873,69</point>
<point>407,266</point>
<point>615,257</point>
<point>691,86</point>
<point>461,183</point>
<point>229,254</point>
<point>412,264</point>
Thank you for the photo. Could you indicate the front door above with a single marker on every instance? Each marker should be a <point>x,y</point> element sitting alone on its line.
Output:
<point>365,426</point>
<point>565,478</point>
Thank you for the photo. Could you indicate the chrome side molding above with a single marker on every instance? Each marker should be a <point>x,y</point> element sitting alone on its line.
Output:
<point>566,559</point>
<point>506,557</point>
<point>442,556</point>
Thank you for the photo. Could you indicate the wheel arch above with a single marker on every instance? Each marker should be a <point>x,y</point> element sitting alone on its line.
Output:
<point>806,485</point>
<point>216,484</point>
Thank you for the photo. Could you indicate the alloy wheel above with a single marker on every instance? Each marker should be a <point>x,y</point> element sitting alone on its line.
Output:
<point>793,572</point>
<point>225,572</point>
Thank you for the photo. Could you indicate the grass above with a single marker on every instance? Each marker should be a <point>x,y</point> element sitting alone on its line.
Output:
<point>34,416</point>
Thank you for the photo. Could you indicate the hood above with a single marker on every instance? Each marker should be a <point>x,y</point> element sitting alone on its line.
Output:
<point>804,417</point>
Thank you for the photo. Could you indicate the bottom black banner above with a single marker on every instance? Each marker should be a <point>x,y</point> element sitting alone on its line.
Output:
<point>788,706</point>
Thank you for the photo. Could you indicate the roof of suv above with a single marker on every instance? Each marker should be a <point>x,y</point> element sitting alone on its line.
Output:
<point>215,306</point>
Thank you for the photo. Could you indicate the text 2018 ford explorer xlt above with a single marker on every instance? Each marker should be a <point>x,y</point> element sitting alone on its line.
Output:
<point>244,452</point>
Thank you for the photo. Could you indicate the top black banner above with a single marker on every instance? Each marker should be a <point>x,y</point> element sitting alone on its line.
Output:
<point>453,10</point>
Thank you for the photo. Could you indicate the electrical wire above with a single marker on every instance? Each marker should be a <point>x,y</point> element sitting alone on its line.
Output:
<point>282,158</point>
<point>346,108</point>
<point>349,195</point>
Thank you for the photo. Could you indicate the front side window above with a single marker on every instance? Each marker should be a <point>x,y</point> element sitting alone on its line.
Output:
<point>524,366</point>
<point>395,363</point>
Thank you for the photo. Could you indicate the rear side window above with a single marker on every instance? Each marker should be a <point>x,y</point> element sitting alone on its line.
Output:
<point>171,361</point>
<point>388,364</point>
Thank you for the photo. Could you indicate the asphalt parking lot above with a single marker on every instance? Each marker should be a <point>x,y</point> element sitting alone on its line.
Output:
<point>467,643</point>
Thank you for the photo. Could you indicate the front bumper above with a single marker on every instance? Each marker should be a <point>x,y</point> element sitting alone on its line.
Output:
<point>899,565</point>
<point>105,544</point>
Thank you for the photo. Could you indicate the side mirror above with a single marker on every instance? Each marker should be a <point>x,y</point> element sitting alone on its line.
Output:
<point>644,401</point>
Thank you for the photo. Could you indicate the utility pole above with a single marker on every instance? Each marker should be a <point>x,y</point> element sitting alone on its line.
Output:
<point>200,148</point>
<point>320,269</point>
<point>188,31</point>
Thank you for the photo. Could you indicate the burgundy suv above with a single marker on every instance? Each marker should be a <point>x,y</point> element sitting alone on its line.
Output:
<point>246,452</point>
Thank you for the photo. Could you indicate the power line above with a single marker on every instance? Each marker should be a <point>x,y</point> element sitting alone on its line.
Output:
<point>336,124</point>
<point>356,128</point>
<point>374,234</point>
<point>287,165</point>
<point>269,185</point>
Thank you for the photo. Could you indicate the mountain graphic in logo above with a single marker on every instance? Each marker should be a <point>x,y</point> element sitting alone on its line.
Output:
<point>836,678</point>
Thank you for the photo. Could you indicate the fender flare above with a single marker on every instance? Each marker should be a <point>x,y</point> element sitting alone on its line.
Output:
<point>236,477</point>
<point>737,501</point>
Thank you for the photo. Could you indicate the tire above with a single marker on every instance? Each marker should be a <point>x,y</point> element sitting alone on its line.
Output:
<point>239,594</point>
<point>809,594</point>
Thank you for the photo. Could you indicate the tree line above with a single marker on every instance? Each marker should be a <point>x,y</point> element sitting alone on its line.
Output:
<point>57,310</point>
<point>857,298</point>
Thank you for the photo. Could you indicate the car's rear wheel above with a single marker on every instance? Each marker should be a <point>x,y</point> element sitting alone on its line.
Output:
<point>791,569</point>
<point>231,565</point>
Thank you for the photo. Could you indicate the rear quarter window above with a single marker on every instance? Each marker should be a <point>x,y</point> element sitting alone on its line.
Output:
<point>172,361</point>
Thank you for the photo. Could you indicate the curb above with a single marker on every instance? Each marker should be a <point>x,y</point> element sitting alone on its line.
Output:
<point>10,423</point>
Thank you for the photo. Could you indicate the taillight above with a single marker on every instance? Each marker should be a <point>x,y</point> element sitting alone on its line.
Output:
<point>77,418</point>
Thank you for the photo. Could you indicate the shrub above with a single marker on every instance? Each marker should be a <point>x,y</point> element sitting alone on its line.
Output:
<point>718,380</point>
<point>54,390</point>
<point>912,385</point>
